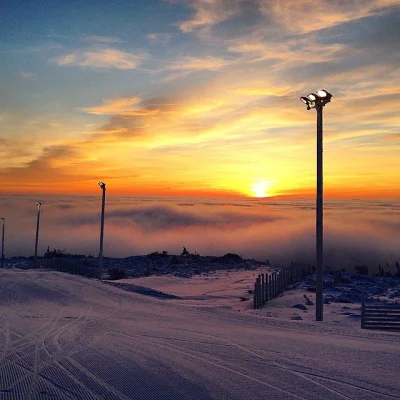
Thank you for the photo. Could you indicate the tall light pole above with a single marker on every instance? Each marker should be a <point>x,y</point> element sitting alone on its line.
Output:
<point>318,101</point>
<point>103,204</point>
<point>2,243</point>
<point>38,203</point>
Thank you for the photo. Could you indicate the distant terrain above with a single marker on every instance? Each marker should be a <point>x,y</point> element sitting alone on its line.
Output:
<point>185,264</point>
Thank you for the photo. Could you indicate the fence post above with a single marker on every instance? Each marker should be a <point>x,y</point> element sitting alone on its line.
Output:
<point>266,288</point>
<point>255,295</point>
<point>272,286</point>
<point>263,289</point>
<point>278,282</point>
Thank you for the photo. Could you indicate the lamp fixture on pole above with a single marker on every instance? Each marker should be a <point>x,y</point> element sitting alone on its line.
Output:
<point>318,101</point>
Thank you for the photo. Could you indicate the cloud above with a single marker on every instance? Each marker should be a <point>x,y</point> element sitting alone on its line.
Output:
<point>302,51</point>
<point>305,16</point>
<point>100,39</point>
<point>120,106</point>
<point>125,110</point>
<point>55,167</point>
<point>163,217</point>
<point>197,63</point>
<point>162,38</point>
<point>394,136</point>
<point>99,58</point>
<point>208,13</point>
<point>300,16</point>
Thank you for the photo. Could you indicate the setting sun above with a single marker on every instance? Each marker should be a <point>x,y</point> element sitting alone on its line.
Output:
<point>261,188</point>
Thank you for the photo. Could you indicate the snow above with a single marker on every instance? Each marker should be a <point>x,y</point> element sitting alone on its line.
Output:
<point>69,337</point>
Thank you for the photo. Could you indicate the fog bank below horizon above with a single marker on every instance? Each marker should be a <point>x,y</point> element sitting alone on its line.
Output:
<point>355,231</point>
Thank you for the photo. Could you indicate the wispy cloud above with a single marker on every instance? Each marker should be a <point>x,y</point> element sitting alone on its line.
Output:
<point>308,15</point>
<point>162,38</point>
<point>208,13</point>
<point>304,50</point>
<point>99,58</point>
<point>100,39</point>
<point>294,16</point>
<point>197,63</point>
<point>163,217</point>
<point>122,105</point>
<point>50,166</point>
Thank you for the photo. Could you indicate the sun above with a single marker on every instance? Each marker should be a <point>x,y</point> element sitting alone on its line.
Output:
<point>261,188</point>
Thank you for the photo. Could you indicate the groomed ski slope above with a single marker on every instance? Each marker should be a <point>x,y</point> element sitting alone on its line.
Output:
<point>68,337</point>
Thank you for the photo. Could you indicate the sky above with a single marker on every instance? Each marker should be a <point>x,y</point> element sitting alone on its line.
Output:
<point>198,97</point>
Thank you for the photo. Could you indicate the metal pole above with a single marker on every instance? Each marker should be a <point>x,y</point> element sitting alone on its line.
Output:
<point>37,233</point>
<point>319,219</point>
<point>2,244</point>
<point>103,203</point>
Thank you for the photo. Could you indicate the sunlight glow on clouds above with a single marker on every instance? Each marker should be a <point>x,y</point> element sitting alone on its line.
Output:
<point>123,106</point>
<point>99,57</point>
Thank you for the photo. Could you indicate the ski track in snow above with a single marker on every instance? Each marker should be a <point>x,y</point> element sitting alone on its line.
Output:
<point>68,337</point>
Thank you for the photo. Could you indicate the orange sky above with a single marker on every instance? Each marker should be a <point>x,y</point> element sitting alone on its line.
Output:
<point>200,98</point>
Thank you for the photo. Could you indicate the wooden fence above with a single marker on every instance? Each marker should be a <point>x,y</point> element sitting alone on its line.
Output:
<point>270,285</point>
<point>70,267</point>
<point>380,316</point>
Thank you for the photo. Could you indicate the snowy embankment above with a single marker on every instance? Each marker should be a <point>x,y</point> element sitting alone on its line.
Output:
<point>66,337</point>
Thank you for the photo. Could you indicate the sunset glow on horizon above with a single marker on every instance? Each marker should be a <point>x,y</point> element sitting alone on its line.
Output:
<point>199,98</point>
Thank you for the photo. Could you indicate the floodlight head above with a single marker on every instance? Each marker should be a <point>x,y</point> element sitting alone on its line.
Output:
<point>102,185</point>
<point>324,95</point>
<point>3,219</point>
<point>309,103</point>
<point>38,203</point>
<point>312,97</point>
<point>305,100</point>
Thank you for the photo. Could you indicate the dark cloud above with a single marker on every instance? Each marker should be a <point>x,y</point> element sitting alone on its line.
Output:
<point>161,217</point>
<point>44,172</point>
<point>66,206</point>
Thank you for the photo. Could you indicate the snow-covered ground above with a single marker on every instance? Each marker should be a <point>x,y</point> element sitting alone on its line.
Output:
<point>69,337</point>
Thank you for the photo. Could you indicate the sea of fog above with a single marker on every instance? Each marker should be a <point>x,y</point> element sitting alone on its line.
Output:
<point>278,230</point>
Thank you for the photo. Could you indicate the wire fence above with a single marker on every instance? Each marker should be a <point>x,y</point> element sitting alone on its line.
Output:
<point>268,286</point>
